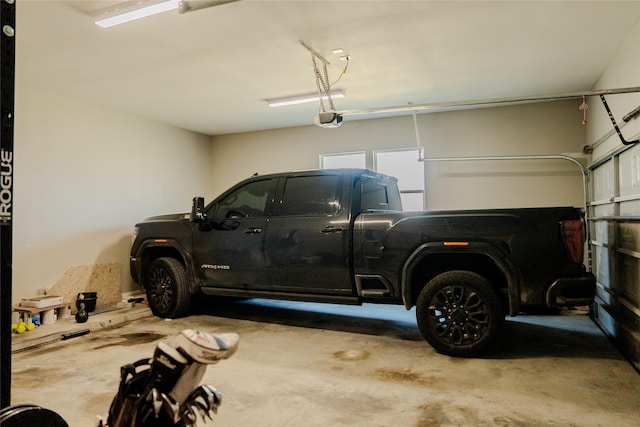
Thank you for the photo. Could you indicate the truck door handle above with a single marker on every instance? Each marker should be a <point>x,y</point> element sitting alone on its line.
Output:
<point>331,229</point>
<point>253,230</point>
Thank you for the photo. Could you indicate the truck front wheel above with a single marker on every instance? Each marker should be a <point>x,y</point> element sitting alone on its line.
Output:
<point>167,290</point>
<point>459,313</point>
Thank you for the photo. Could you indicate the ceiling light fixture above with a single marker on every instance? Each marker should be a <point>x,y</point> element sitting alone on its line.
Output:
<point>303,99</point>
<point>132,10</point>
<point>191,5</point>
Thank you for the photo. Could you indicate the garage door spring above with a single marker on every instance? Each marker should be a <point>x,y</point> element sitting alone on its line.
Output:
<point>323,84</point>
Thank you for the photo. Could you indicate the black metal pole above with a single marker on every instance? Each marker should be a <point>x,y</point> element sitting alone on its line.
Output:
<point>7,92</point>
<point>615,125</point>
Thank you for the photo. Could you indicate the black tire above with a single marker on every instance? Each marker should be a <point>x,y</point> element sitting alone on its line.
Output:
<point>167,288</point>
<point>30,415</point>
<point>459,313</point>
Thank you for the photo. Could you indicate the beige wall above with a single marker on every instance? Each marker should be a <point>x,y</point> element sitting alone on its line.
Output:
<point>84,176</point>
<point>535,129</point>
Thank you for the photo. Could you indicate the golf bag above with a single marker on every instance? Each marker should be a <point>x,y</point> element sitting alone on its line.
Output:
<point>163,391</point>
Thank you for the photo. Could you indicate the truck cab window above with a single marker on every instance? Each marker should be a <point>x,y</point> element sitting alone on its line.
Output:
<point>249,201</point>
<point>377,197</point>
<point>311,195</point>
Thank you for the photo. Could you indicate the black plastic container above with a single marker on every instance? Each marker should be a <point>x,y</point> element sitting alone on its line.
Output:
<point>89,300</point>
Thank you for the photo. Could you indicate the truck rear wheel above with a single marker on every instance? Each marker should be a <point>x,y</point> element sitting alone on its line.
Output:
<point>459,313</point>
<point>167,290</point>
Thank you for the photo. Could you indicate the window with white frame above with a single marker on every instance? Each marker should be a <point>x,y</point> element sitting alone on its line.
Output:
<point>356,160</point>
<point>405,165</point>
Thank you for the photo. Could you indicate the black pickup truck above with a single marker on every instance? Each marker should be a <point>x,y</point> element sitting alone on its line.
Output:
<point>340,236</point>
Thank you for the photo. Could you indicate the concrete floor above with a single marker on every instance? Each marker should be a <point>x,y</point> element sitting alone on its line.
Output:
<point>323,365</point>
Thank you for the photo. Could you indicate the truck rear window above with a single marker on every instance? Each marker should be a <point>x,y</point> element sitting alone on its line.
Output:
<point>377,196</point>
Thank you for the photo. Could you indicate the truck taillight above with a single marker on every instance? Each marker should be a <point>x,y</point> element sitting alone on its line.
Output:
<point>573,238</point>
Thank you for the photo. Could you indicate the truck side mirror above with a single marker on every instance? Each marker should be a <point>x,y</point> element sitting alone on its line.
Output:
<point>196,210</point>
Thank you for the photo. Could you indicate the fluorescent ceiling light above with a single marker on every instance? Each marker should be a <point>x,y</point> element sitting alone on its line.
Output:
<point>189,5</point>
<point>133,10</point>
<point>303,99</point>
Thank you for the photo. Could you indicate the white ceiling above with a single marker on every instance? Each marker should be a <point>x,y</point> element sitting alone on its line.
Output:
<point>210,70</point>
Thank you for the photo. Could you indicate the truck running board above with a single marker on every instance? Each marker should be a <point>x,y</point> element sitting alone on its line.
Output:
<point>373,286</point>
<point>375,293</point>
<point>331,299</point>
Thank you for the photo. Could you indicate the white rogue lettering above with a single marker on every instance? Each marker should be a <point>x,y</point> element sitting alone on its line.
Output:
<point>6,180</point>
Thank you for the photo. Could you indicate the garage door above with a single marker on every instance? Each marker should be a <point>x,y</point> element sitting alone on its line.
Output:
<point>615,248</point>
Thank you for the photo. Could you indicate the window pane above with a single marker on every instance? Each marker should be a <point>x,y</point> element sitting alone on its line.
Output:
<point>375,197</point>
<point>311,195</point>
<point>343,160</point>
<point>412,201</point>
<point>404,165</point>
<point>249,201</point>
